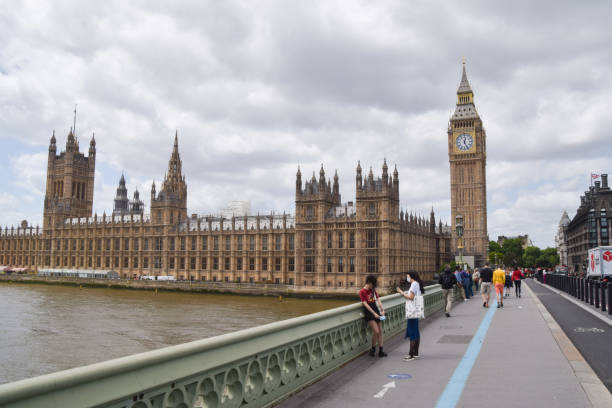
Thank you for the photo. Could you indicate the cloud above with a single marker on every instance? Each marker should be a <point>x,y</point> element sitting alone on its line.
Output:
<point>256,89</point>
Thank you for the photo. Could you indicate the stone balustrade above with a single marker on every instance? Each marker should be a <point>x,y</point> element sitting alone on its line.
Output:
<point>249,368</point>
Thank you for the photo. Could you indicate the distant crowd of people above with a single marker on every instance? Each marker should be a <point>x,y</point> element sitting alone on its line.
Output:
<point>484,280</point>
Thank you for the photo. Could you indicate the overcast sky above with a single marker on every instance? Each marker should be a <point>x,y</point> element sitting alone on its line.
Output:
<point>257,88</point>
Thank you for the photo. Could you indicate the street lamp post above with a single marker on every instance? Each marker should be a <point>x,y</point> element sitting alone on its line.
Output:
<point>459,231</point>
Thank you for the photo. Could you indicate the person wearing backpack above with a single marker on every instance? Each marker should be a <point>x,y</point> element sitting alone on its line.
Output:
<point>447,281</point>
<point>476,278</point>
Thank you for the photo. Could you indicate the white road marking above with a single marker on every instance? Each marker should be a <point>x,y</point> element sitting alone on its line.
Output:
<point>384,390</point>
<point>591,329</point>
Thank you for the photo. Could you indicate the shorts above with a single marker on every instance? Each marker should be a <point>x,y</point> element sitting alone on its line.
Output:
<point>485,288</point>
<point>499,288</point>
<point>369,316</point>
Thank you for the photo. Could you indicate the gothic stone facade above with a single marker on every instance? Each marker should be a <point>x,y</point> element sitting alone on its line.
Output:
<point>327,244</point>
<point>467,154</point>
<point>590,227</point>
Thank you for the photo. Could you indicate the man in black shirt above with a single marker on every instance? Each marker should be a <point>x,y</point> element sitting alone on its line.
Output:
<point>448,281</point>
<point>486,277</point>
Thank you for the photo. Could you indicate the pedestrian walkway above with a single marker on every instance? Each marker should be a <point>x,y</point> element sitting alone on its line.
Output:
<point>476,358</point>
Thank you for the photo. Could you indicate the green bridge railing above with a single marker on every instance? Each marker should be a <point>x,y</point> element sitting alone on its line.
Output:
<point>254,367</point>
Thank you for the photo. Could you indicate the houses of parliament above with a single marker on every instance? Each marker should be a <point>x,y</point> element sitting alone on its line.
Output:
<point>327,244</point>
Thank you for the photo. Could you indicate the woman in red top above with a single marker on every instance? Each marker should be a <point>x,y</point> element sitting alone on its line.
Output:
<point>372,313</point>
<point>517,275</point>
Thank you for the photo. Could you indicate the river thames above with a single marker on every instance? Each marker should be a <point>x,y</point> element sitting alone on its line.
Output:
<point>50,328</point>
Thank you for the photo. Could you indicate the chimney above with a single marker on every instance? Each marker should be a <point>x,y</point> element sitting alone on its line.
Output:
<point>604,181</point>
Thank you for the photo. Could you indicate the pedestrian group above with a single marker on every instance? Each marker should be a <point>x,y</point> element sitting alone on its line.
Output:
<point>501,280</point>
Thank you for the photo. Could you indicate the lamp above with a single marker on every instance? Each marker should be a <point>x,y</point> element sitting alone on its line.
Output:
<point>459,231</point>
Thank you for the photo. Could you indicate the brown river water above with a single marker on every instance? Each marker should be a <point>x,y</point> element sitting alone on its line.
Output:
<point>44,329</point>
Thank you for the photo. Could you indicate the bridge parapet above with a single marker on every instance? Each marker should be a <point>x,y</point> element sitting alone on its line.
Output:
<point>249,368</point>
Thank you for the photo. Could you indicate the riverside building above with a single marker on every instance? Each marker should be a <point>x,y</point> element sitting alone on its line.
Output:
<point>590,227</point>
<point>325,244</point>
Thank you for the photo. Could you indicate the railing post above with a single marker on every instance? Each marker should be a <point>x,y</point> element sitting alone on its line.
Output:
<point>596,284</point>
<point>586,290</point>
<point>602,287</point>
<point>581,289</point>
<point>591,297</point>
<point>609,298</point>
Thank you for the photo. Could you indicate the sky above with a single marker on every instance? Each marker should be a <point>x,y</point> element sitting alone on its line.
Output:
<point>256,88</point>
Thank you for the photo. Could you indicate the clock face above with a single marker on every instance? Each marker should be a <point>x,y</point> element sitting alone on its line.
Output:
<point>464,141</point>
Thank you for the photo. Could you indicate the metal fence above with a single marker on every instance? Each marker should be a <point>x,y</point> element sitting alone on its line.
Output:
<point>595,293</point>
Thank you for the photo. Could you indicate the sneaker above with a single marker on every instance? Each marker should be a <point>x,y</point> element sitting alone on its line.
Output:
<point>484,304</point>
<point>382,354</point>
<point>498,305</point>
<point>372,353</point>
<point>447,314</point>
<point>502,305</point>
<point>408,358</point>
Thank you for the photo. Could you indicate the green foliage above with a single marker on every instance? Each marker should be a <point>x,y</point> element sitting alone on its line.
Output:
<point>530,256</point>
<point>513,252</point>
<point>453,265</point>
<point>496,257</point>
<point>494,247</point>
<point>548,258</point>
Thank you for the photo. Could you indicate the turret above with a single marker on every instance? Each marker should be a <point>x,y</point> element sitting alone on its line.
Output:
<point>92,145</point>
<point>385,175</point>
<point>358,177</point>
<point>298,182</point>
<point>121,199</point>
<point>395,178</point>
<point>322,178</point>
<point>71,145</point>
<point>336,188</point>
<point>432,221</point>
<point>52,145</point>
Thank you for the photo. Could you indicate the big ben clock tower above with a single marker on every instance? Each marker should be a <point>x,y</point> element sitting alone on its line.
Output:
<point>467,154</point>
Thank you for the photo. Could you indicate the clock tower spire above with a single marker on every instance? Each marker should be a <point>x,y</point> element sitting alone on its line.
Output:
<point>467,155</point>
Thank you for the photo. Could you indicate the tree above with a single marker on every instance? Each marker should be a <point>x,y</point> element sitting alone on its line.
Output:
<point>548,258</point>
<point>530,256</point>
<point>513,252</point>
<point>494,247</point>
<point>496,257</point>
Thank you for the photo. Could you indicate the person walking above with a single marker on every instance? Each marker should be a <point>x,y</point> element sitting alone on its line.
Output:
<point>508,282</point>
<point>373,310</point>
<point>517,275</point>
<point>476,278</point>
<point>499,279</point>
<point>412,325</point>
<point>486,278</point>
<point>460,282</point>
<point>465,282</point>
<point>447,281</point>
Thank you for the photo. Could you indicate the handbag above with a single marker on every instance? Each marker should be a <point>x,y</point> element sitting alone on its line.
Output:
<point>415,308</point>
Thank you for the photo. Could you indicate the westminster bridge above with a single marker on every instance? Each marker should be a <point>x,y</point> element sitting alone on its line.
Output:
<point>320,360</point>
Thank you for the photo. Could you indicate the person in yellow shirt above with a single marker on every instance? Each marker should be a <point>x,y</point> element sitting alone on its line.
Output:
<point>499,279</point>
